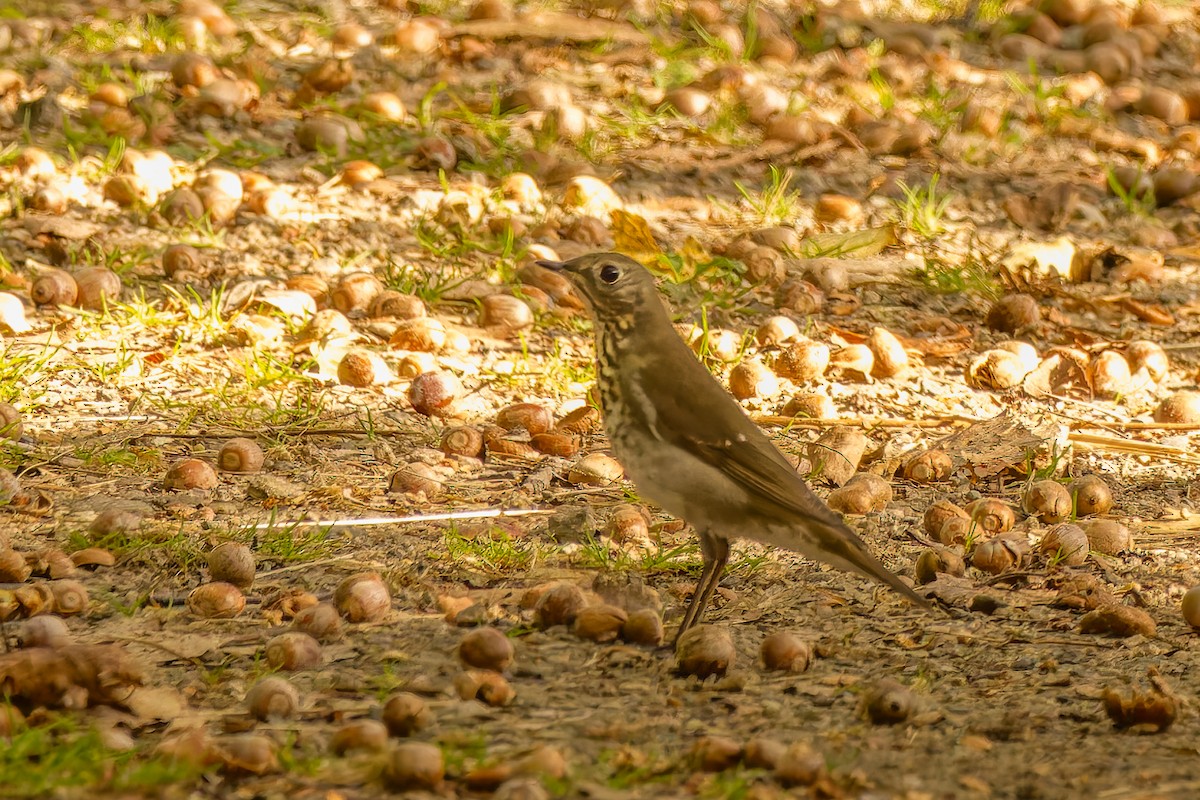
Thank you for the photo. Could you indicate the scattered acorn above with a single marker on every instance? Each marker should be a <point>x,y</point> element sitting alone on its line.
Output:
<point>433,393</point>
<point>11,426</point>
<point>644,627</point>
<point>488,687</point>
<point>232,562</point>
<point>320,621</point>
<point>240,455</point>
<point>96,288</point>
<point>414,766</point>
<point>360,735</point>
<point>559,605</point>
<point>293,650</point>
<point>1190,606</point>
<point>938,560</point>
<point>273,697</point>
<point>705,650</point>
<point>1047,500</point>
<point>54,287</point>
<point>190,473</point>
<point>1181,408</point>
<point>715,753</point>
<point>599,623</point>
<point>486,648</point>
<point>404,714</point>
<point>994,516</point>
<point>784,651</point>
<point>889,702</point>
<point>1066,543</point>
<point>928,466</point>
<point>217,600</point>
<point>1014,314</point>
<point>363,597</point>
<point>1108,536</point>
<point>1091,495</point>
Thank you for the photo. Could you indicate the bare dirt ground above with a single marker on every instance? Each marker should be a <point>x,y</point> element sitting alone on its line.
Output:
<point>360,191</point>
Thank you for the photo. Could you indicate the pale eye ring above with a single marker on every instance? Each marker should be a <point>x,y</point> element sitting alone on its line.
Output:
<point>610,273</point>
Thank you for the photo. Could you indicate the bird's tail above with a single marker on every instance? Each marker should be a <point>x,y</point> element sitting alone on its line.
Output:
<point>832,541</point>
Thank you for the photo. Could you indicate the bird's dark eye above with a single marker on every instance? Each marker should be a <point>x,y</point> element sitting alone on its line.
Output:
<point>609,273</point>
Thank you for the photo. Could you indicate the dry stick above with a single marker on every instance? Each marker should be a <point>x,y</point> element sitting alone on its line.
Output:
<point>483,513</point>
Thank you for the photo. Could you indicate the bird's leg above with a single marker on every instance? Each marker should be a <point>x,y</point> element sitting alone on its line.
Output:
<point>715,550</point>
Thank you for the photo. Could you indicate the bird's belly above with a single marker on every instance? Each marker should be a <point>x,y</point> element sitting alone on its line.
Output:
<point>676,480</point>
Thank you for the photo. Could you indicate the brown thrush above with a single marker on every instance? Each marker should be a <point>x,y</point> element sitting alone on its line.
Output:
<point>688,446</point>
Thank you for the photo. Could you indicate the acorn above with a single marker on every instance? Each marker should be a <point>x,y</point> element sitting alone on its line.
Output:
<point>1182,407</point>
<point>810,405</point>
<point>994,516</point>
<point>190,473</point>
<point>997,369</point>
<point>938,560</point>
<point>1190,606</point>
<point>54,287</point>
<point>273,697</point>
<point>92,557</point>
<point>595,469</point>
<point>530,417</point>
<point>327,134</point>
<point>46,630</point>
<point>355,292</point>
<point>752,379</point>
<point>853,358</point>
<point>240,455</point>
<point>1013,314</point>
<point>644,627</point>
<point>1108,536</point>
<point>803,361</point>
<point>995,556</point>
<point>404,714</point>
<point>1109,374</point>
<point>777,331</point>
<point>559,605</point>
<point>891,359</point>
<point>386,105</point>
<point>1047,500</point>
<point>320,621</point>
<point>293,651</point>
<point>1092,496</point>
<point>232,562</point>
<point>363,597</point>
<point>115,520</point>
<point>397,305</point>
<point>705,650</point>
<point>417,478</point>
<point>414,766</point>
<point>1149,356</point>
<point>928,466</point>
<point>763,752</point>
<point>490,688</point>
<point>799,765</point>
<point>422,334</point>
<point>246,754</point>
<point>97,287</point>
<point>599,623</point>
<point>11,426</point>
<point>784,651</point>
<point>434,393</point>
<point>1065,543</point>
<point>360,735</point>
<point>938,514</point>
<point>863,493</point>
<point>889,702</point>
<point>216,600</point>
<point>462,440</point>
<point>181,260</point>
<point>486,648</point>
<point>69,597</point>
<point>182,206</point>
<point>715,753</point>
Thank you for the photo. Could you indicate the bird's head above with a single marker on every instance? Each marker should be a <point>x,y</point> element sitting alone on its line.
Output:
<point>612,285</point>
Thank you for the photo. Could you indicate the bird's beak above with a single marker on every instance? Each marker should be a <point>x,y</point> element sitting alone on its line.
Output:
<point>556,266</point>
